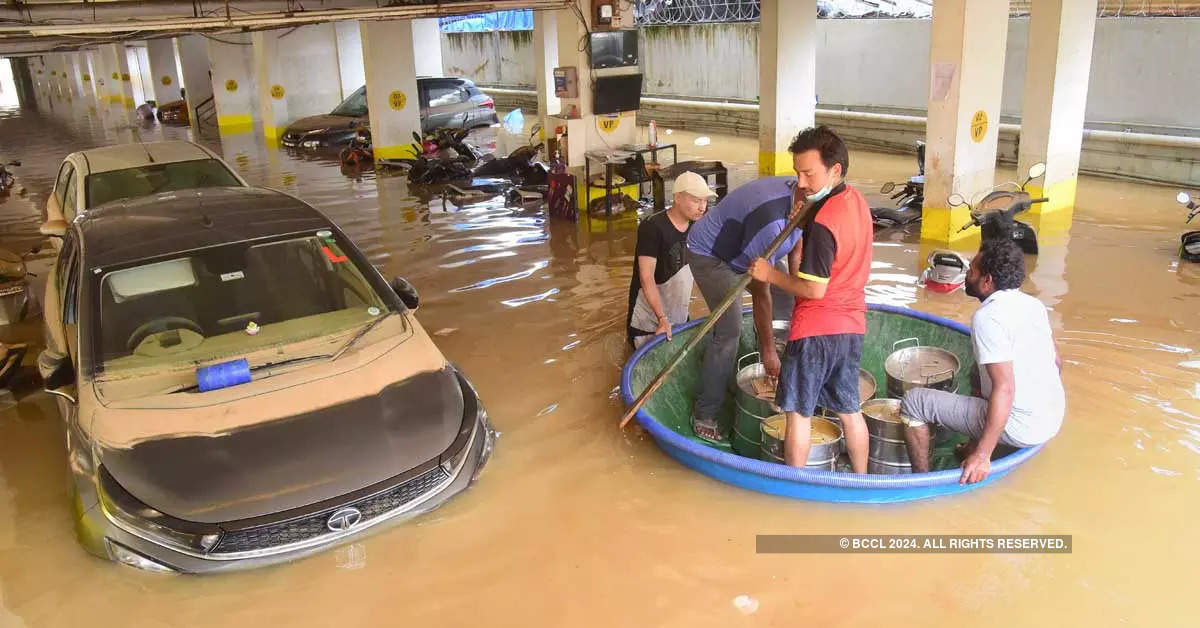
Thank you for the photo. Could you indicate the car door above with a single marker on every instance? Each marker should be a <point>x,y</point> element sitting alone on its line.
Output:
<point>58,362</point>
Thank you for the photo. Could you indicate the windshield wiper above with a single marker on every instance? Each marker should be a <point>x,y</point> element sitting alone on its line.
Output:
<point>362,332</point>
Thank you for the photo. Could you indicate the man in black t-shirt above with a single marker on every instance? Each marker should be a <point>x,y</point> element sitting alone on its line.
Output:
<point>662,282</point>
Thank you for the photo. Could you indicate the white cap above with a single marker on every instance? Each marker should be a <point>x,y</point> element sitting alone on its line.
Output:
<point>693,184</point>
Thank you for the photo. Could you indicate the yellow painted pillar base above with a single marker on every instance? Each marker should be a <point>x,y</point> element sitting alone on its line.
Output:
<point>944,225</point>
<point>1061,195</point>
<point>235,124</point>
<point>272,133</point>
<point>772,164</point>
<point>399,151</point>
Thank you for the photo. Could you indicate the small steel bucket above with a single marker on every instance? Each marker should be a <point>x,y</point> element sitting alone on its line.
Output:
<point>826,442</point>
<point>919,367</point>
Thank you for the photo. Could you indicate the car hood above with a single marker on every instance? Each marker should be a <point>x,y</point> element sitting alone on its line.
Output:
<point>324,121</point>
<point>290,440</point>
<point>306,459</point>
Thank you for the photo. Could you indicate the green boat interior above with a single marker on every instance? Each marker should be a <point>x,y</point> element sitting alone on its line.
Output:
<point>672,404</point>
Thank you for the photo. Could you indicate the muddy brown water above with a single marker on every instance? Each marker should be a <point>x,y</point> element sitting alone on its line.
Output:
<point>575,523</point>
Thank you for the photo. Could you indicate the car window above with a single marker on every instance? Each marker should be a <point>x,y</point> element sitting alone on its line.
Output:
<point>68,279</point>
<point>444,95</point>
<point>70,198</point>
<point>355,105</point>
<point>64,259</point>
<point>105,187</point>
<point>60,186</point>
<point>229,301</point>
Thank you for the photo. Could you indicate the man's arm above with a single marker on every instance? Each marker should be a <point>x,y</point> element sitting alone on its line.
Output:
<point>646,267</point>
<point>797,286</point>
<point>977,465</point>
<point>763,306</point>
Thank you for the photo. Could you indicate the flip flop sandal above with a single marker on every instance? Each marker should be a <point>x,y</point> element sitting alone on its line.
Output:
<point>712,427</point>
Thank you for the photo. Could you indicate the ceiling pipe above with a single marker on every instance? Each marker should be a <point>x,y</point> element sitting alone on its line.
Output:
<point>141,15</point>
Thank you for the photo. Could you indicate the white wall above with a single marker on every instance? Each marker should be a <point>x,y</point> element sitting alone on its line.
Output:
<point>311,76</point>
<point>495,58</point>
<point>1143,69</point>
<point>350,57</point>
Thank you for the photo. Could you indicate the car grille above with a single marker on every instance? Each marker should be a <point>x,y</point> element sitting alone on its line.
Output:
<point>313,526</point>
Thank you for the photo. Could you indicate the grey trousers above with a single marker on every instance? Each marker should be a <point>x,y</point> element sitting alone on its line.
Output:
<point>715,279</point>
<point>957,413</point>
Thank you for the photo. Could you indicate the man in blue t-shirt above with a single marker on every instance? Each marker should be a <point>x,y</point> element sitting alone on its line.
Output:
<point>721,247</point>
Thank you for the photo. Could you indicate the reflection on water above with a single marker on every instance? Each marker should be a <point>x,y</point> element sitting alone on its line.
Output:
<point>576,523</point>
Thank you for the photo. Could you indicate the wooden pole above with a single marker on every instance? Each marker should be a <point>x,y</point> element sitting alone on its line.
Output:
<point>734,295</point>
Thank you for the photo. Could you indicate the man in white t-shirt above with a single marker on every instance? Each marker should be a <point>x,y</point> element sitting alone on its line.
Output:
<point>1020,400</point>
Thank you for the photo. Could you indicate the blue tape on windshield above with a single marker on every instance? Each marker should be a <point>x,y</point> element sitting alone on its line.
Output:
<point>223,375</point>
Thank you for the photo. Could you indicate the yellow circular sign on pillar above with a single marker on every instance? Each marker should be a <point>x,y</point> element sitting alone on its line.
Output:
<point>87,77</point>
<point>116,76</point>
<point>979,126</point>
<point>231,85</point>
<point>397,100</point>
<point>277,92</point>
<point>166,80</point>
<point>53,72</point>
<point>608,125</point>
<point>124,76</point>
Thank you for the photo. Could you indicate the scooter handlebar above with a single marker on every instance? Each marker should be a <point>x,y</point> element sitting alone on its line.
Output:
<point>1039,200</point>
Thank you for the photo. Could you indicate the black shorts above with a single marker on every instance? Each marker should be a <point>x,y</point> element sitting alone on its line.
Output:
<point>820,371</point>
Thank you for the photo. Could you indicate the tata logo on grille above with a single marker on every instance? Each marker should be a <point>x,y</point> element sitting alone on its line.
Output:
<point>343,519</point>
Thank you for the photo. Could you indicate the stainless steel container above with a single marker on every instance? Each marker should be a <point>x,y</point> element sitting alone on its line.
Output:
<point>749,410</point>
<point>919,367</point>
<point>887,452</point>
<point>826,442</point>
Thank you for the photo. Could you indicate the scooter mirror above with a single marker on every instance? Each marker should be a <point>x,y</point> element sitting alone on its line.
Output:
<point>1183,198</point>
<point>1037,170</point>
<point>956,200</point>
<point>887,187</point>
<point>416,138</point>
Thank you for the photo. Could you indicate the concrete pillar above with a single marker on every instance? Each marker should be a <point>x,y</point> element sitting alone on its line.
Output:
<point>787,71</point>
<point>139,74</point>
<point>966,81</point>
<point>197,72</point>
<point>272,87</point>
<point>545,55</point>
<point>1056,86</point>
<point>427,44</point>
<point>76,68</point>
<point>233,83</point>
<point>389,58</point>
<point>164,74</point>
<point>121,92</point>
<point>350,57</point>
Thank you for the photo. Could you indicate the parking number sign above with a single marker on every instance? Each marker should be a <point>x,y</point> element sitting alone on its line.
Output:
<point>397,100</point>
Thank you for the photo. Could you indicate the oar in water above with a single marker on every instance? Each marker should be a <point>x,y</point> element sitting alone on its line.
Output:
<point>734,295</point>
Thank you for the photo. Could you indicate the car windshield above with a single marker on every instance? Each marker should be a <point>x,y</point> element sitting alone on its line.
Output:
<point>355,106</point>
<point>225,302</point>
<point>150,179</point>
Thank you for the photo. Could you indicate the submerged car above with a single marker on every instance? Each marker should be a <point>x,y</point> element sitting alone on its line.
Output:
<point>239,386</point>
<point>174,112</point>
<point>94,177</point>
<point>445,102</point>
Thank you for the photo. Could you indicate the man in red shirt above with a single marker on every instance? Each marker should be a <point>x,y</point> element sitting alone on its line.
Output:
<point>829,271</point>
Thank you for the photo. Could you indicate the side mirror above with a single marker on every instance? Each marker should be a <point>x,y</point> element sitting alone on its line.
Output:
<point>1183,198</point>
<point>407,293</point>
<point>887,187</point>
<point>1037,170</point>
<point>956,200</point>
<point>54,228</point>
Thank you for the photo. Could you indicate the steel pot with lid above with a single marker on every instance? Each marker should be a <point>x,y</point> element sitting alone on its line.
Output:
<point>919,366</point>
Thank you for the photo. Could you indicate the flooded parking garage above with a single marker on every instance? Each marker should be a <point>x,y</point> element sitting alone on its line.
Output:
<point>577,523</point>
<point>574,521</point>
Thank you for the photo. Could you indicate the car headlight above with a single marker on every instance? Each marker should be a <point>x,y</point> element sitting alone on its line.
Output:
<point>138,519</point>
<point>311,144</point>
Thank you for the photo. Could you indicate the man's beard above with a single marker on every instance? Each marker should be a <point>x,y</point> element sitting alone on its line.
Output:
<point>973,290</point>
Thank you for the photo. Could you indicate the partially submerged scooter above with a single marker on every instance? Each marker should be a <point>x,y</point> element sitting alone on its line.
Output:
<point>6,178</point>
<point>995,214</point>
<point>909,199</point>
<point>1189,243</point>
<point>945,271</point>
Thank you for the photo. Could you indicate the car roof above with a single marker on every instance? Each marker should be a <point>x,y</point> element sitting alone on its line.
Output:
<point>122,156</point>
<point>141,228</point>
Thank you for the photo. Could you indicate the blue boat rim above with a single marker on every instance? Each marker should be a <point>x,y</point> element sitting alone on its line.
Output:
<point>670,438</point>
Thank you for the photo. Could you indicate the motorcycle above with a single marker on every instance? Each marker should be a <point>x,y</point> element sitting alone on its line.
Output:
<point>945,271</point>
<point>6,178</point>
<point>995,214</point>
<point>14,285</point>
<point>442,156</point>
<point>909,199</point>
<point>358,153</point>
<point>521,166</point>
<point>1189,243</point>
